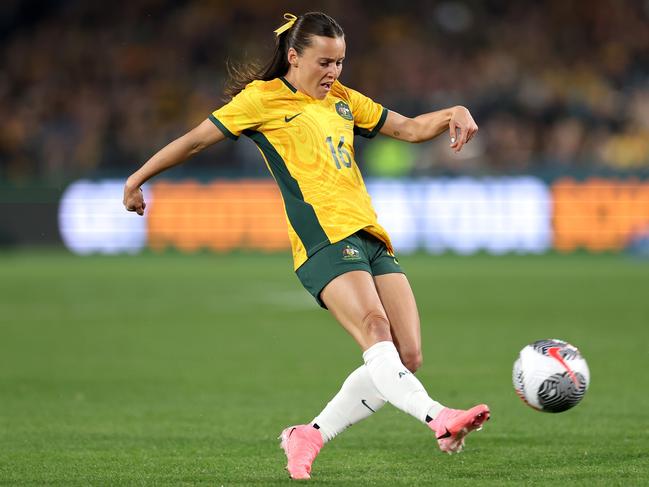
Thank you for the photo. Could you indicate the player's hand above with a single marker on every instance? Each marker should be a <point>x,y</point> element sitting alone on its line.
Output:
<point>134,199</point>
<point>462,127</point>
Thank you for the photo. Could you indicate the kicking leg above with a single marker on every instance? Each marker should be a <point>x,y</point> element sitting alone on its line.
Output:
<point>353,298</point>
<point>399,303</point>
<point>354,301</point>
<point>450,425</point>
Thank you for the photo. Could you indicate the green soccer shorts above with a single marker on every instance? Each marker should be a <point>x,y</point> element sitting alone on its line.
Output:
<point>358,252</point>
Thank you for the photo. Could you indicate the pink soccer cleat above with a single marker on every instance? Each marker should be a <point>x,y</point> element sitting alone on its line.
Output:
<point>452,425</point>
<point>301,444</point>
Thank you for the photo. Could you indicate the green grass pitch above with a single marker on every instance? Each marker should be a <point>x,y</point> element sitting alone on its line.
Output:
<point>169,369</point>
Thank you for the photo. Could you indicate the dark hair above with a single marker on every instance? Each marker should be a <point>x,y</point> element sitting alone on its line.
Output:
<point>298,37</point>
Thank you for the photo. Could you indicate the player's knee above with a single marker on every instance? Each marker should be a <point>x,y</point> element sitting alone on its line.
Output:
<point>376,326</point>
<point>412,359</point>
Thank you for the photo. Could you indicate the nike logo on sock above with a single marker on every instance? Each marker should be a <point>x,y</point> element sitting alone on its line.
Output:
<point>367,405</point>
<point>287,119</point>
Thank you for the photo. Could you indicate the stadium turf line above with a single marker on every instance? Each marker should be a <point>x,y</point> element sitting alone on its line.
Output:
<point>170,369</point>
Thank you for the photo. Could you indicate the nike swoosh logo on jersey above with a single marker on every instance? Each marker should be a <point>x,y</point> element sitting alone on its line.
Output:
<point>287,119</point>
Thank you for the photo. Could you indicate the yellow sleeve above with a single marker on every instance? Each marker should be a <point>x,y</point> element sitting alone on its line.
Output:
<point>243,112</point>
<point>369,116</point>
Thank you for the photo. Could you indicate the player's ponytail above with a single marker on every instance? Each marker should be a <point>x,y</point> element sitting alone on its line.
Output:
<point>295,33</point>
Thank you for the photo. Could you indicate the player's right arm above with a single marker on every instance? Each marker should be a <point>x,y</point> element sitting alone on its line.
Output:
<point>171,155</point>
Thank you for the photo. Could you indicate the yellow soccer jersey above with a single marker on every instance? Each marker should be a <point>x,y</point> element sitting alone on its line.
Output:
<point>308,146</point>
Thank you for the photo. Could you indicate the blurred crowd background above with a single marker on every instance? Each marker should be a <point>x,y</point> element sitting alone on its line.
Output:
<point>90,89</point>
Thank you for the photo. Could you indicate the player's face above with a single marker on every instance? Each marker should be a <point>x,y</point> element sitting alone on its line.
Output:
<point>319,65</point>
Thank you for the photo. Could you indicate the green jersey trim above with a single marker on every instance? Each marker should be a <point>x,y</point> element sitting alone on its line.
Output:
<point>222,127</point>
<point>372,133</point>
<point>289,85</point>
<point>300,213</point>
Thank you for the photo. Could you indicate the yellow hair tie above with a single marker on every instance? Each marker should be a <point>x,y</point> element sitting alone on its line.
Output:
<point>291,20</point>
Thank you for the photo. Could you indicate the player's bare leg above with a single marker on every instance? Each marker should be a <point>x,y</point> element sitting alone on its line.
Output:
<point>353,298</point>
<point>354,301</point>
<point>400,306</point>
<point>450,425</point>
<point>357,399</point>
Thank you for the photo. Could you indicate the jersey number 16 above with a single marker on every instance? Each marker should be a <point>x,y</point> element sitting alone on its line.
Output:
<point>342,153</point>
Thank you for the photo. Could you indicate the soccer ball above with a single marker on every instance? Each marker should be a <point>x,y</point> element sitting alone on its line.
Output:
<point>551,375</point>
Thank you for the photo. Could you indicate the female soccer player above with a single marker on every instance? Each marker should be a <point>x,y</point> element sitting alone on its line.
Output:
<point>303,121</point>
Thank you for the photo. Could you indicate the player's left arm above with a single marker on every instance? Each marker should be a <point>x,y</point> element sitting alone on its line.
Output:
<point>457,120</point>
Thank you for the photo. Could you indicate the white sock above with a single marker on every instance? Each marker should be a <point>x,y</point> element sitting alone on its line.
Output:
<point>356,400</point>
<point>395,382</point>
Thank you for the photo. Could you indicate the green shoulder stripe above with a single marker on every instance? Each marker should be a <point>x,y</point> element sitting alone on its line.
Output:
<point>222,127</point>
<point>300,213</point>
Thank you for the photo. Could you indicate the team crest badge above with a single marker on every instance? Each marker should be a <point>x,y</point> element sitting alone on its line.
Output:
<point>350,253</point>
<point>343,110</point>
